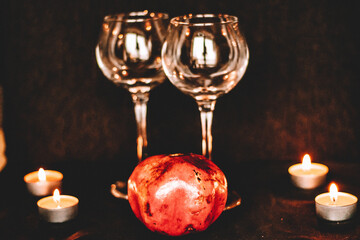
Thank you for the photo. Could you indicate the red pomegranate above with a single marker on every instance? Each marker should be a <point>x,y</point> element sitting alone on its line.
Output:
<point>177,194</point>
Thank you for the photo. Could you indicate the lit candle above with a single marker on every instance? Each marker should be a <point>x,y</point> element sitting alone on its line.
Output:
<point>335,206</point>
<point>58,208</point>
<point>308,175</point>
<point>43,182</point>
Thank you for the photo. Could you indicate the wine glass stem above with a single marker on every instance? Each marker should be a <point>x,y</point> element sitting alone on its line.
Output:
<point>140,105</point>
<point>206,109</point>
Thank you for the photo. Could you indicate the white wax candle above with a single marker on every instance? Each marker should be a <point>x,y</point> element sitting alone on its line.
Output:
<point>339,206</point>
<point>43,182</point>
<point>308,175</point>
<point>57,211</point>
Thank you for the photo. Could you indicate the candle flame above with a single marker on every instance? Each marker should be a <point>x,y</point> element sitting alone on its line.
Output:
<point>333,192</point>
<point>56,196</point>
<point>41,175</point>
<point>306,162</point>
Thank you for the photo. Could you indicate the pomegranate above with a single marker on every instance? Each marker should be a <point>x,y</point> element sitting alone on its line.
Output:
<point>177,194</point>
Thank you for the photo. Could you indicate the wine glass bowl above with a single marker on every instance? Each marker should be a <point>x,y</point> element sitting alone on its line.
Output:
<point>205,55</point>
<point>129,54</point>
<point>129,49</point>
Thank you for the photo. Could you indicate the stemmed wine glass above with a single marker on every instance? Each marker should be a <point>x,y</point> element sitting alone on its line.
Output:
<point>129,54</point>
<point>205,56</point>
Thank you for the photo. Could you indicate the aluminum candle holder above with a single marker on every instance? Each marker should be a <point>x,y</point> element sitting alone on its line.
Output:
<point>335,206</point>
<point>43,182</point>
<point>58,208</point>
<point>307,175</point>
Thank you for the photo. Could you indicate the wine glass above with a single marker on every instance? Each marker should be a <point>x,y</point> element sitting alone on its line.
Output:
<point>129,54</point>
<point>205,56</point>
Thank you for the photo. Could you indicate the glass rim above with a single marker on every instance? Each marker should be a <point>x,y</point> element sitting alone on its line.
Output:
<point>132,17</point>
<point>221,19</point>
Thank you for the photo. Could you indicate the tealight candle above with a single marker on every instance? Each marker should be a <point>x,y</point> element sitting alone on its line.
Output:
<point>58,208</point>
<point>43,182</point>
<point>335,206</point>
<point>308,175</point>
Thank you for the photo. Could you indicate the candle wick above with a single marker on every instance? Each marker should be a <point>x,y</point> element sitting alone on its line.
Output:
<point>57,201</point>
<point>333,199</point>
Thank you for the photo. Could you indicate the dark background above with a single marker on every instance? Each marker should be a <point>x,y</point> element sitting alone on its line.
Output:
<point>299,94</point>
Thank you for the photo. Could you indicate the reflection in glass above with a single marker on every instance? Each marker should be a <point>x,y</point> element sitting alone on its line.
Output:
<point>203,51</point>
<point>136,47</point>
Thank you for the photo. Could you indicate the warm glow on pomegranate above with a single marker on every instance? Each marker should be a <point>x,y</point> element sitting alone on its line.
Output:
<point>306,162</point>
<point>42,175</point>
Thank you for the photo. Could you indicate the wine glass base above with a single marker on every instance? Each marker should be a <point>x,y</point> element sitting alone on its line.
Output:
<point>119,190</point>
<point>233,200</point>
